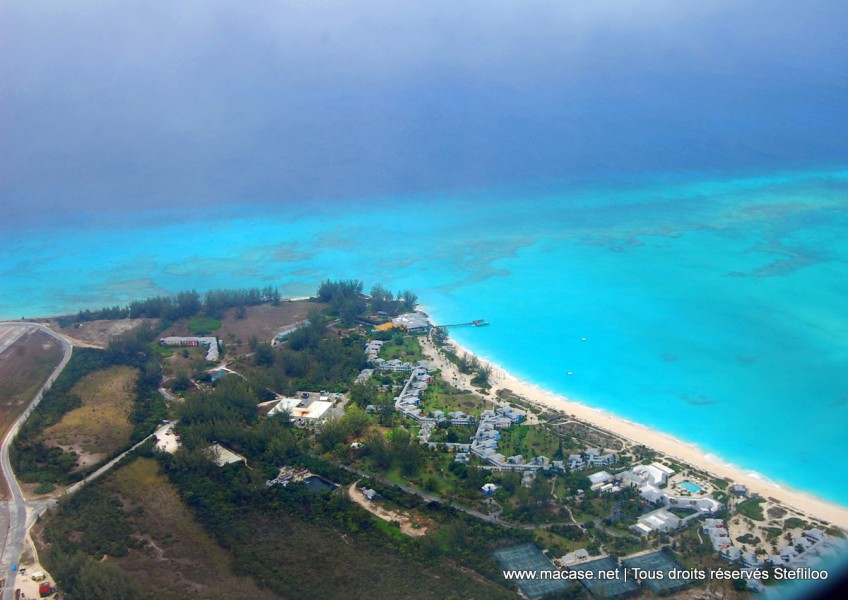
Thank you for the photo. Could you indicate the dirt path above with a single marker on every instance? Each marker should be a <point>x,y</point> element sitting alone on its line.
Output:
<point>406,523</point>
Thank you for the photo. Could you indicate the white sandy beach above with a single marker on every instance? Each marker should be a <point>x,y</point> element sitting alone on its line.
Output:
<point>663,443</point>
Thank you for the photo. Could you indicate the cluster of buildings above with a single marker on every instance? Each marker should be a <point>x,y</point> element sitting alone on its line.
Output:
<point>213,351</point>
<point>650,478</point>
<point>484,444</point>
<point>408,403</point>
<point>808,547</point>
<point>591,458</point>
<point>372,351</point>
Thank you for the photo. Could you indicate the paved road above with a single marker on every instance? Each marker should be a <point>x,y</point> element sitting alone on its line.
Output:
<point>14,512</point>
<point>9,334</point>
<point>104,468</point>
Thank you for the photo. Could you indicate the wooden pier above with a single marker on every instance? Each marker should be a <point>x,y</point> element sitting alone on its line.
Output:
<point>474,323</point>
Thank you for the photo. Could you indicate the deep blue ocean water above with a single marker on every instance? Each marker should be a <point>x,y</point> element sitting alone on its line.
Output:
<point>713,308</point>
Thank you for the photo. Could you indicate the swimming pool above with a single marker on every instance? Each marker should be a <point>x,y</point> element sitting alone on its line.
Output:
<point>688,485</point>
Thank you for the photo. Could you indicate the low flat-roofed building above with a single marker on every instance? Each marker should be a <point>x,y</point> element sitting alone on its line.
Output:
<point>599,478</point>
<point>414,322</point>
<point>301,410</point>
<point>223,456</point>
<point>658,520</point>
<point>656,473</point>
<point>211,343</point>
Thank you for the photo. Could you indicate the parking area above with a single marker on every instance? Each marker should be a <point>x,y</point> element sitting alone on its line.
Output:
<point>33,582</point>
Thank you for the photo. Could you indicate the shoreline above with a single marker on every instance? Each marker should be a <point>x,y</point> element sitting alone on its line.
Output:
<point>666,444</point>
<point>660,441</point>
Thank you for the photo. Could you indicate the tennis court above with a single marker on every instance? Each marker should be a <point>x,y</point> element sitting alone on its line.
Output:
<point>599,584</point>
<point>528,557</point>
<point>658,562</point>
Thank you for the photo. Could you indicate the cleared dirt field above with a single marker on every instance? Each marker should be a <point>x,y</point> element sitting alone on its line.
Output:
<point>263,321</point>
<point>24,367</point>
<point>97,333</point>
<point>414,527</point>
<point>102,424</point>
<point>179,559</point>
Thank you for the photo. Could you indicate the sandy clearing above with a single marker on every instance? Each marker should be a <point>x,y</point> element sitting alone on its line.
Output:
<point>406,523</point>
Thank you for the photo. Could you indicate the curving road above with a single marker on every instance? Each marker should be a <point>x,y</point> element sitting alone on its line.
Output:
<point>14,512</point>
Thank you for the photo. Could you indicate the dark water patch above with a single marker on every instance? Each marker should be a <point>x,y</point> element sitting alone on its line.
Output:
<point>319,484</point>
<point>699,400</point>
<point>839,402</point>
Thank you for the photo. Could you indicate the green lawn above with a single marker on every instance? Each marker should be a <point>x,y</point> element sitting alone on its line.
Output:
<point>407,351</point>
<point>443,396</point>
<point>201,325</point>
<point>529,441</point>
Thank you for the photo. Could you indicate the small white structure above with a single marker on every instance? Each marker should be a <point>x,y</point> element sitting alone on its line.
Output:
<point>489,488</point>
<point>166,439</point>
<point>223,456</point>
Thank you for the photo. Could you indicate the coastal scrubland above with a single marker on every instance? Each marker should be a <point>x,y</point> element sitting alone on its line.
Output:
<point>102,423</point>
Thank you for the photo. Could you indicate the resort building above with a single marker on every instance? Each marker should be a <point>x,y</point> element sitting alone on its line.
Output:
<point>599,479</point>
<point>415,322</point>
<point>302,408</point>
<point>716,529</point>
<point>594,458</point>
<point>658,520</point>
<point>655,473</point>
<point>211,343</point>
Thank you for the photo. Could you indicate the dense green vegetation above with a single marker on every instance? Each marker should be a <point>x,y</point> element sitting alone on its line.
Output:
<point>180,306</point>
<point>752,509</point>
<point>292,540</point>
<point>403,347</point>
<point>309,360</point>
<point>347,300</point>
<point>34,461</point>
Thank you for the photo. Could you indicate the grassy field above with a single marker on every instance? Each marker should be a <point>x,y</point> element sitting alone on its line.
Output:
<point>102,424</point>
<point>204,325</point>
<point>445,397</point>
<point>179,555</point>
<point>167,551</point>
<point>528,441</point>
<point>407,351</point>
<point>263,322</point>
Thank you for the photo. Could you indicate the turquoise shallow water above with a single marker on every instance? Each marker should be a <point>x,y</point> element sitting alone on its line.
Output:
<point>713,309</point>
